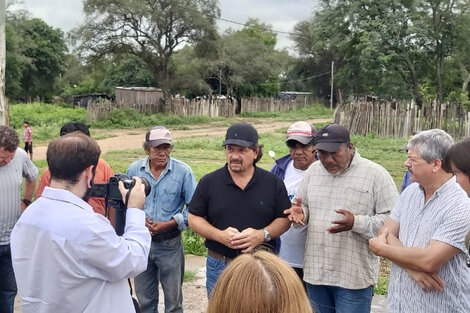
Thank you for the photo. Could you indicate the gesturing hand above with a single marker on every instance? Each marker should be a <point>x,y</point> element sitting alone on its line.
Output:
<point>343,224</point>
<point>295,214</point>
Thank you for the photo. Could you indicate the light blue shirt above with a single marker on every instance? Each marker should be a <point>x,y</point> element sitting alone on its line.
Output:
<point>170,192</point>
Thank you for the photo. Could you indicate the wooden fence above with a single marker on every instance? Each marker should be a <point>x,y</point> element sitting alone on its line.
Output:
<point>178,106</point>
<point>274,105</point>
<point>401,119</point>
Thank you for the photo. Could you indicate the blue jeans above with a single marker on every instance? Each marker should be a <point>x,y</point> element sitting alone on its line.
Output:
<point>214,268</point>
<point>331,299</point>
<point>165,266</point>
<point>7,281</point>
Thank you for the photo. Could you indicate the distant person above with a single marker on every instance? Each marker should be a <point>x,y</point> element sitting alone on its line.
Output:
<point>344,199</point>
<point>258,282</point>
<point>66,257</point>
<point>102,172</point>
<point>425,233</point>
<point>291,169</point>
<point>239,206</point>
<point>16,170</point>
<point>28,141</point>
<point>173,185</point>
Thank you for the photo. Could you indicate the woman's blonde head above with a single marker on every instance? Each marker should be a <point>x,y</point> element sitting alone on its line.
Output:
<point>258,283</point>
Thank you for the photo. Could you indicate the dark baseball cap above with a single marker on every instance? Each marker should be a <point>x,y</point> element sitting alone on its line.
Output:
<point>331,137</point>
<point>241,134</point>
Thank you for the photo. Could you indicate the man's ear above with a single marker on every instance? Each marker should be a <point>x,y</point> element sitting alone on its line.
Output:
<point>436,165</point>
<point>88,172</point>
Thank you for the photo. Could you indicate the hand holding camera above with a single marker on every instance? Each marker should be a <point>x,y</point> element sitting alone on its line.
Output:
<point>134,196</point>
<point>122,192</point>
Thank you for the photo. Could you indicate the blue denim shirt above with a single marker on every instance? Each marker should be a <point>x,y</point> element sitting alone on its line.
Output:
<point>170,192</point>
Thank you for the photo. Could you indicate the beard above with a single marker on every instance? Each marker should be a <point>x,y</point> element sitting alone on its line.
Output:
<point>87,194</point>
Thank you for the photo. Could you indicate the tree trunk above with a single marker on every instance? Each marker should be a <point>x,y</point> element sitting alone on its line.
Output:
<point>3,99</point>
<point>415,82</point>
<point>465,83</point>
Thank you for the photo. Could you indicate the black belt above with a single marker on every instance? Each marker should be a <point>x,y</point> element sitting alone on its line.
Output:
<point>165,236</point>
<point>218,256</point>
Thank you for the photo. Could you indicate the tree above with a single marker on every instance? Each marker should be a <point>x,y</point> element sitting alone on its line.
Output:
<point>3,100</point>
<point>246,62</point>
<point>45,47</point>
<point>150,30</point>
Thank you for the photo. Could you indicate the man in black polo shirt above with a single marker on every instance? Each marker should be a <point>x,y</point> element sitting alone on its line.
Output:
<point>238,206</point>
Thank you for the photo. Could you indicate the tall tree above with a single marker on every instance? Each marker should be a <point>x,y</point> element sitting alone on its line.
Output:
<point>3,100</point>
<point>247,64</point>
<point>148,29</point>
<point>37,51</point>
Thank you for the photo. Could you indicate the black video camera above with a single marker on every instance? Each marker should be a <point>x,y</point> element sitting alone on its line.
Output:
<point>110,192</point>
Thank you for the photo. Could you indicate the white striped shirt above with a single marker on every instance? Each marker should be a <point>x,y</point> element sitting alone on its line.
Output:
<point>445,218</point>
<point>11,178</point>
<point>343,259</point>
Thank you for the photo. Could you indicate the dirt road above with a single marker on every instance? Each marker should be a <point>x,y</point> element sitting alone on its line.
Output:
<point>125,139</point>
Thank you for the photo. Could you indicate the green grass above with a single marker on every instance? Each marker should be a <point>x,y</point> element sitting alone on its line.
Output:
<point>189,276</point>
<point>382,285</point>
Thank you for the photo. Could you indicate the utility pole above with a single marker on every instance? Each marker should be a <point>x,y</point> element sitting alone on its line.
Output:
<point>332,76</point>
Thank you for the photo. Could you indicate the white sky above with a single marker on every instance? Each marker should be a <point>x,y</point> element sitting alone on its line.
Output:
<point>281,14</point>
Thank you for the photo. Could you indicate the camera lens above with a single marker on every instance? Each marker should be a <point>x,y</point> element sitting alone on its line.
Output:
<point>146,183</point>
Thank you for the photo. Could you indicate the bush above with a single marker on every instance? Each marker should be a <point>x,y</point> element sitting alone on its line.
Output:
<point>193,243</point>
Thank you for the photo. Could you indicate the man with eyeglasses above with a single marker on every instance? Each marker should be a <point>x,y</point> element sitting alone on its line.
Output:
<point>345,199</point>
<point>291,169</point>
<point>239,206</point>
<point>173,185</point>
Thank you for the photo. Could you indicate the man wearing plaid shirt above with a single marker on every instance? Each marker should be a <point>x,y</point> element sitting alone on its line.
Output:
<point>344,199</point>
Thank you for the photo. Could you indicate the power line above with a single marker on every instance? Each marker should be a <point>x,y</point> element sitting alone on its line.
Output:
<point>242,24</point>
<point>297,80</point>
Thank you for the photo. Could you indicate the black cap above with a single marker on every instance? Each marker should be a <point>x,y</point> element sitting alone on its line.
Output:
<point>241,134</point>
<point>331,136</point>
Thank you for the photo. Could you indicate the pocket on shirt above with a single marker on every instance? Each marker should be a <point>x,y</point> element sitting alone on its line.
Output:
<point>169,192</point>
<point>359,199</point>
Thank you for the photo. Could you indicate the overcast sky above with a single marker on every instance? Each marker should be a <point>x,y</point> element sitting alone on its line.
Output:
<point>281,14</point>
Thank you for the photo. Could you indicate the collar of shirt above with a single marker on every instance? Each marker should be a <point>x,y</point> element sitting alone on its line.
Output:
<point>229,180</point>
<point>442,190</point>
<point>354,162</point>
<point>146,166</point>
<point>65,196</point>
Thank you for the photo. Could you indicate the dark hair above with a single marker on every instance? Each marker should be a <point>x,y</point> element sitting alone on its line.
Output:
<point>458,154</point>
<point>260,152</point>
<point>8,138</point>
<point>69,155</point>
<point>25,122</point>
<point>72,127</point>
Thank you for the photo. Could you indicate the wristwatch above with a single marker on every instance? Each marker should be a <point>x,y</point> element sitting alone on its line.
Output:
<point>26,201</point>
<point>267,236</point>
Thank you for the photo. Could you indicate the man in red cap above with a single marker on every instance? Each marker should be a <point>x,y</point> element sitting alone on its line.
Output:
<point>345,199</point>
<point>291,169</point>
<point>238,206</point>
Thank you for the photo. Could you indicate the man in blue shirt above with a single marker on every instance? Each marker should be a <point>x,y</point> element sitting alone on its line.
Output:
<point>173,185</point>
